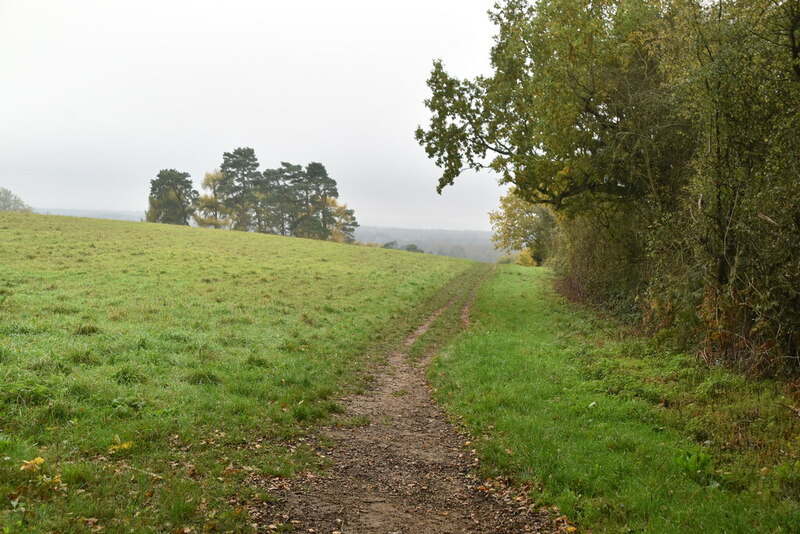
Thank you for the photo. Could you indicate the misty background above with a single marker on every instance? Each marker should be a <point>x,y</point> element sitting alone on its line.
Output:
<point>98,96</point>
<point>471,244</point>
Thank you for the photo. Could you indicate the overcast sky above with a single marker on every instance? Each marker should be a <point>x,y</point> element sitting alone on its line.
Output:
<point>97,96</point>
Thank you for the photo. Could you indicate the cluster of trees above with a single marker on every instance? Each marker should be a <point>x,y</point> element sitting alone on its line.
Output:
<point>411,247</point>
<point>290,200</point>
<point>654,148</point>
<point>11,202</point>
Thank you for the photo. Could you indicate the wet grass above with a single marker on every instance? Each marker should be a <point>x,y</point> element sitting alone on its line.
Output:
<point>155,368</point>
<point>622,434</point>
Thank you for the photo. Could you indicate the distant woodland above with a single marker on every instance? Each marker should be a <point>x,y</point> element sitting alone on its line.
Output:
<point>654,151</point>
<point>470,244</point>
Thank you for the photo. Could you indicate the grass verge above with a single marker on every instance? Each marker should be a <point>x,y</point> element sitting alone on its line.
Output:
<point>620,434</point>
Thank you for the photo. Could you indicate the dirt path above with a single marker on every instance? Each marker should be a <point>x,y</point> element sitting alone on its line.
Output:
<point>406,471</point>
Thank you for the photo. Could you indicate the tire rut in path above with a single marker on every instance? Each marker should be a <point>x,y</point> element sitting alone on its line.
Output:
<point>407,471</point>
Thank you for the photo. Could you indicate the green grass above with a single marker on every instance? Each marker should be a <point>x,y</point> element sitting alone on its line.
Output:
<point>618,432</point>
<point>155,368</point>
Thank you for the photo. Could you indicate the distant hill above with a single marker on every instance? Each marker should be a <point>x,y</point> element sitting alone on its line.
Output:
<point>94,214</point>
<point>469,244</point>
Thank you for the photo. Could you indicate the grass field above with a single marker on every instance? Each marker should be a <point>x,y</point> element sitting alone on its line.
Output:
<point>147,370</point>
<point>621,434</point>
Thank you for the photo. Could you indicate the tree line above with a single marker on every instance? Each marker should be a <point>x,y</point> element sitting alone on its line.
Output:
<point>654,153</point>
<point>291,200</point>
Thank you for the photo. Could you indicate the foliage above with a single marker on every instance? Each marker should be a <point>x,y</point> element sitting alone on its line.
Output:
<point>155,368</point>
<point>211,210</point>
<point>342,222</point>
<point>664,135</point>
<point>739,223</point>
<point>172,198</point>
<point>11,202</point>
<point>278,193</point>
<point>619,431</point>
<point>240,174</point>
<point>520,225</point>
<point>290,200</point>
<point>526,258</point>
<point>566,77</point>
<point>313,189</point>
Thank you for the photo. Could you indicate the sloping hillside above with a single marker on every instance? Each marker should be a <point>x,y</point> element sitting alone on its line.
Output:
<point>146,370</point>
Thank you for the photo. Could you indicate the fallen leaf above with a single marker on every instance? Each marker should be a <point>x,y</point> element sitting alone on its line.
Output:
<point>32,465</point>
<point>120,446</point>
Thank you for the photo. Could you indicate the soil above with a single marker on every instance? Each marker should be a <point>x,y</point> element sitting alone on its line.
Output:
<point>408,470</point>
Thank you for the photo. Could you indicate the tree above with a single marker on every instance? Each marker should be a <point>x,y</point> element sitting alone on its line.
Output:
<point>290,200</point>
<point>323,191</point>
<point>664,136</point>
<point>560,116</point>
<point>11,202</point>
<point>211,211</point>
<point>574,116</point>
<point>413,248</point>
<point>313,188</point>
<point>285,202</point>
<point>343,222</point>
<point>521,225</point>
<point>240,171</point>
<point>172,198</point>
<point>734,67</point>
<point>309,227</point>
<point>264,189</point>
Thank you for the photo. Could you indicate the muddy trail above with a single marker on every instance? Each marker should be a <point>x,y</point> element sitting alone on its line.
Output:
<point>406,469</point>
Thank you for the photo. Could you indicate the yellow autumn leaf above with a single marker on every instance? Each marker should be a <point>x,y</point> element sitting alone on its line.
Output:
<point>120,446</point>
<point>32,465</point>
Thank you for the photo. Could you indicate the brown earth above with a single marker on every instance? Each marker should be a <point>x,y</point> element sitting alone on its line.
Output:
<point>405,471</point>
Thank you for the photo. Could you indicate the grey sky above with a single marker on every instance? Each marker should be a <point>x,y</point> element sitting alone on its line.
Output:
<point>97,96</point>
